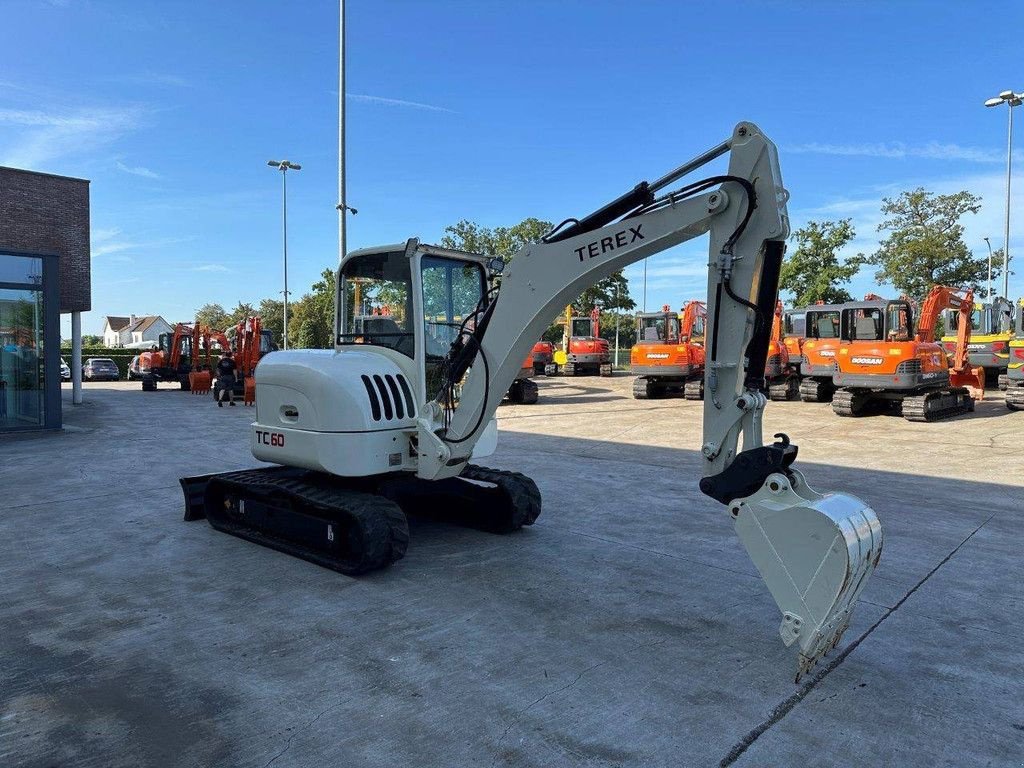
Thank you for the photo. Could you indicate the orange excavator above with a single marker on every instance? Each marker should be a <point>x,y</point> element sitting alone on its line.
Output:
<point>176,357</point>
<point>669,352</point>
<point>883,363</point>
<point>250,343</point>
<point>782,371</point>
<point>818,352</point>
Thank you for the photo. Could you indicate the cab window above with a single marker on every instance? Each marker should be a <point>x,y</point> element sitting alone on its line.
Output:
<point>863,324</point>
<point>898,322</point>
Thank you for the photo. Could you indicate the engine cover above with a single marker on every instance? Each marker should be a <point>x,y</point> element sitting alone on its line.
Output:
<point>348,413</point>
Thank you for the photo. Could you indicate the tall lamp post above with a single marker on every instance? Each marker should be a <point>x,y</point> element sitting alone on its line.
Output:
<point>284,166</point>
<point>1012,100</point>
<point>988,293</point>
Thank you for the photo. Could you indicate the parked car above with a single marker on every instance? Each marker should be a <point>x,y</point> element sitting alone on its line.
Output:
<point>134,371</point>
<point>100,369</point>
<point>65,370</point>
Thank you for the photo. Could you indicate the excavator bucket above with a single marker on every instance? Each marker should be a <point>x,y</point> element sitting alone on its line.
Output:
<point>815,553</point>
<point>200,382</point>
<point>972,378</point>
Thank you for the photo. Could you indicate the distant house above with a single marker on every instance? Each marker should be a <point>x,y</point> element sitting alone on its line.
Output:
<point>112,327</point>
<point>134,331</point>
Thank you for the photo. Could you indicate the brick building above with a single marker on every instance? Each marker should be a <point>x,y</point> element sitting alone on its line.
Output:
<point>44,272</point>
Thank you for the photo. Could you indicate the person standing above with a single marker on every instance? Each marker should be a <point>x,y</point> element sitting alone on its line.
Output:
<point>225,388</point>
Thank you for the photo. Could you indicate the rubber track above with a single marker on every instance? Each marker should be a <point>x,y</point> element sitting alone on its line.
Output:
<point>528,392</point>
<point>843,403</point>
<point>382,528</point>
<point>694,389</point>
<point>523,494</point>
<point>784,390</point>
<point>1015,398</point>
<point>815,391</point>
<point>641,388</point>
<point>941,404</point>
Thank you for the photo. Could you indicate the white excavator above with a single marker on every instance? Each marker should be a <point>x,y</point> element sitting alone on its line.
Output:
<point>388,423</point>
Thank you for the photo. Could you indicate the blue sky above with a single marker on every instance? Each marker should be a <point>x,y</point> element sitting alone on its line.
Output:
<point>482,110</point>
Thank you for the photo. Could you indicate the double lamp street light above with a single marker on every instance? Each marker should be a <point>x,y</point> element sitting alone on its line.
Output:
<point>284,166</point>
<point>1012,100</point>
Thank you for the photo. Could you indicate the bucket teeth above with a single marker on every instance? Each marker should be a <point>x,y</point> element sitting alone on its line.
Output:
<point>815,553</point>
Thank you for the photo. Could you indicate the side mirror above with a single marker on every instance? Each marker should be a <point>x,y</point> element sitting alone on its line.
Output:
<point>496,266</point>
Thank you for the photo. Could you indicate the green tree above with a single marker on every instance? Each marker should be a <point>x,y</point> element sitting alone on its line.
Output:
<point>925,245</point>
<point>612,293</point>
<point>213,316</point>
<point>241,312</point>
<point>500,241</point>
<point>271,312</point>
<point>311,318</point>
<point>813,272</point>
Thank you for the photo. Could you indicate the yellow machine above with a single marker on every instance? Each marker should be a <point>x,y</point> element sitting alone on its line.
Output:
<point>991,331</point>
<point>1015,367</point>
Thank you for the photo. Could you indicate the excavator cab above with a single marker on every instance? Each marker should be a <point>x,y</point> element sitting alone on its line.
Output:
<point>381,302</point>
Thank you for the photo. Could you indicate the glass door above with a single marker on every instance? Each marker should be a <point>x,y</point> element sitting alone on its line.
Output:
<point>21,358</point>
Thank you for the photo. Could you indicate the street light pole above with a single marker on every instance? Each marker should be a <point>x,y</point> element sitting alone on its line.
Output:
<point>284,166</point>
<point>1012,100</point>
<point>988,293</point>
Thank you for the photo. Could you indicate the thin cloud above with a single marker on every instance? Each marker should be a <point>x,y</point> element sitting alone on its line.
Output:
<point>387,102</point>
<point>138,170</point>
<point>211,268</point>
<point>153,78</point>
<point>898,150</point>
<point>34,137</point>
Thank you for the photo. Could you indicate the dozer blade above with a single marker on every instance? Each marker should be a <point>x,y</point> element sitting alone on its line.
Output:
<point>815,553</point>
<point>971,378</point>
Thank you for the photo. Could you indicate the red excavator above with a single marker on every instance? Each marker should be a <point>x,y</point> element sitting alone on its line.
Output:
<point>883,362</point>
<point>584,352</point>
<point>543,356</point>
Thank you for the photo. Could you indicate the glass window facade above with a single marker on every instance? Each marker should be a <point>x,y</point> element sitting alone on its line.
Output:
<point>23,330</point>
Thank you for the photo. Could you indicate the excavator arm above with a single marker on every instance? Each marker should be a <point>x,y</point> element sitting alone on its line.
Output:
<point>814,551</point>
<point>942,297</point>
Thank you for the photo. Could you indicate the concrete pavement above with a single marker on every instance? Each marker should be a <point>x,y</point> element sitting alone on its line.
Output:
<point>626,628</point>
